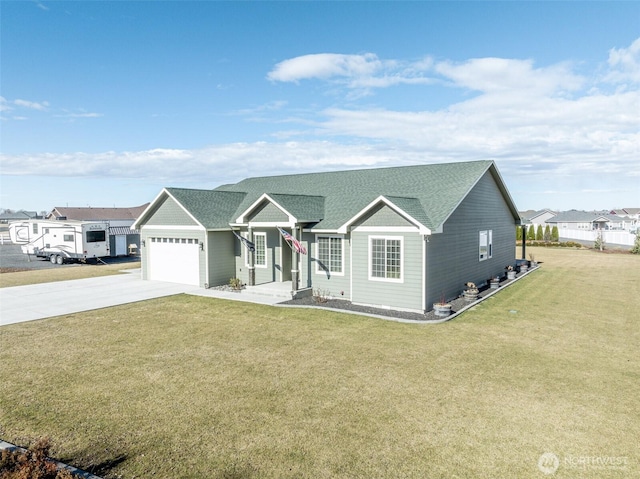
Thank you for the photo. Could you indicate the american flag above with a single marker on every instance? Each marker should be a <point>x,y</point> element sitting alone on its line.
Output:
<point>294,243</point>
<point>250,246</point>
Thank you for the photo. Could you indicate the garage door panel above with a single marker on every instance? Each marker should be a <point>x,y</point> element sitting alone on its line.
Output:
<point>177,261</point>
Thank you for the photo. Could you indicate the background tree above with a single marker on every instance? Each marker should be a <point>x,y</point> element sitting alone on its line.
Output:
<point>555,236</point>
<point>539,235</point>
<point>531,233</point>
<point>547,233</point>
<point>518,233</point>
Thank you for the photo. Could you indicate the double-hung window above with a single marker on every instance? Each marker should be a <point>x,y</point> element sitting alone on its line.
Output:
<point>385,258</point>
<point>330,255</point>
<point>486,245</point>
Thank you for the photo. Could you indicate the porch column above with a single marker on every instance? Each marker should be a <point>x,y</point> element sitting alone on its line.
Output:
<point>252,261</point>
<point>295,259</point>
<point>524,241</point>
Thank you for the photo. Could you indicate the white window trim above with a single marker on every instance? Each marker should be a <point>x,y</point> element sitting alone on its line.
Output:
<point>247,253</point>
<point>387,280</point>
<point>489,235</point>
<point>323,271</point>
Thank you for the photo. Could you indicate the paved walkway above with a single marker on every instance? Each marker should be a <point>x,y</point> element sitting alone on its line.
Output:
<point>38,301</point>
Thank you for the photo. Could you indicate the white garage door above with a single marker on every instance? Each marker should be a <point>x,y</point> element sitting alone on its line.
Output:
<point>175,260</point>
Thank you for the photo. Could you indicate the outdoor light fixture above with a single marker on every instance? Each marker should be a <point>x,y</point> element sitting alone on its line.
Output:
<point>201,246</point>
<point>143,243</point>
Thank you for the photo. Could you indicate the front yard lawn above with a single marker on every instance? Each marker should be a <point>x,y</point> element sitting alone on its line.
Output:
<point>193,387</point>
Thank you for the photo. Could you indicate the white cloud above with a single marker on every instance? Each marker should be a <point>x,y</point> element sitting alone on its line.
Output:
<point>32,105</point>
<point>4,104</point>
<point>325,65</point>
<point>80,115</point>
<point>625,64</point>
<point>501,75</point>
<point>356,72</point>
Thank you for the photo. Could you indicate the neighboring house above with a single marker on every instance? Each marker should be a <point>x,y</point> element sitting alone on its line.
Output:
<point>630,216</point>
<point>533,219</point>
<point>589,227</point>
<point>123,239</point>
<point>632,213</point>
<point>584,220</point>
<point>398,238</point>
<point>18,215</point>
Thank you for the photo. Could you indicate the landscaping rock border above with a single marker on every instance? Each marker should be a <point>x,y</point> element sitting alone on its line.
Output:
<point>458,305</point>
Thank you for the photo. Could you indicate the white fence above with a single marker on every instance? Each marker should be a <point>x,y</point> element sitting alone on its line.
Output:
<point>623,238</point>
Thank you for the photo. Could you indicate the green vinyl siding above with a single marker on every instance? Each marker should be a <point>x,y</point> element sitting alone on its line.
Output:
<point>169,213</point>
<point>399,294</point>
<point>268,212</point>
<point>221,258</point>
<point>452,256</point>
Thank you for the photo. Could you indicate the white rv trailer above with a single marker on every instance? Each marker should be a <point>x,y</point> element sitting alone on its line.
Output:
<point>61,241</point>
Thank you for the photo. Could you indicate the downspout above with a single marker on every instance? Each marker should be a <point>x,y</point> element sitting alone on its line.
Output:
<point>524,241</point>
<point>424,272</point>
<point>295,257</point>
<point>252,263</point>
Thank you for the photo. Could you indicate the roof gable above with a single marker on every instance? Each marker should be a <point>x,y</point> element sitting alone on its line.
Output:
<point>211,209</point>
<point>408,208</point>
<point>298,208</point>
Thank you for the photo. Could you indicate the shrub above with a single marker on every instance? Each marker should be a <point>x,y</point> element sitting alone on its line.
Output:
<point>539,235</point>
<point>557,244</point>
<point>599,242</point>
<point>555,236</point>
<point>235,283</point>
<point>636,244</point>
<point>32,463</point>
<point>321,295</point>
<point>518,233</point>
<point>547,233</point>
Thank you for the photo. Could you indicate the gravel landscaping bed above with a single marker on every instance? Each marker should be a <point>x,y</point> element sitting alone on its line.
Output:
<point>347,306</point>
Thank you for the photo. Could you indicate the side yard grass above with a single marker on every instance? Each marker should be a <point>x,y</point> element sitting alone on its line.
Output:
<point>51,275</point>
<point>191,387</point>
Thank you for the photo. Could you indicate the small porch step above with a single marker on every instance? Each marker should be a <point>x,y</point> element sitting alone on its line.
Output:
<point>277,290</point>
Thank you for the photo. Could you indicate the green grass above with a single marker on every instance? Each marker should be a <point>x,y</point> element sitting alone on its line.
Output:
<point>50,275</point>
<point>195,387</point>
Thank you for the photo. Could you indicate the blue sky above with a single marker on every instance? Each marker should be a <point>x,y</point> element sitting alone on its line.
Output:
<point>105,103</point>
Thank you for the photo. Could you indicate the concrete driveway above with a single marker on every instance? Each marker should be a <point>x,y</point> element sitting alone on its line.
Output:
<point>37,301</point>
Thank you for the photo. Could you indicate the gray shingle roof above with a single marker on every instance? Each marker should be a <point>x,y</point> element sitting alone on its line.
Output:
<point>328,201</point>
<point>576,216</point>
<point>435,190</point>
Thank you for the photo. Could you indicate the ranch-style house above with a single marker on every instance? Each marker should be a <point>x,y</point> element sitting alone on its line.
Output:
<point>398,238</point>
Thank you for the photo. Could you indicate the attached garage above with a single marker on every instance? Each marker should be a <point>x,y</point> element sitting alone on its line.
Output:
<point>176,260</point>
